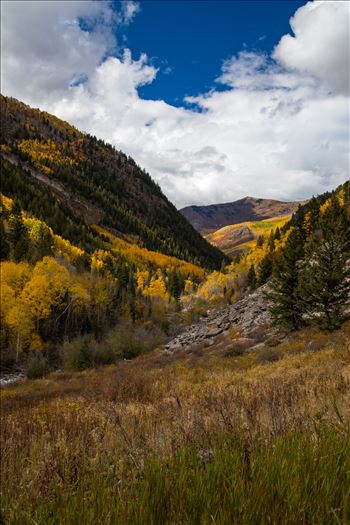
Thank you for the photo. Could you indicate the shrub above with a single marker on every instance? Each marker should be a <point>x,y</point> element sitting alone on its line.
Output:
<point>78,353</point>
<point>125,341</point>
<point>267,355</point>
<point>36,366</point>
<point>235,350</point>
<point>133,340</point>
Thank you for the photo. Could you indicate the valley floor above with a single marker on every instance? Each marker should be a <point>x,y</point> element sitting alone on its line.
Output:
<point>201,437</point>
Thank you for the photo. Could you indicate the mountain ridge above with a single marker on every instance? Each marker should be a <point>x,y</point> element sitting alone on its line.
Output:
<point>209,218</point>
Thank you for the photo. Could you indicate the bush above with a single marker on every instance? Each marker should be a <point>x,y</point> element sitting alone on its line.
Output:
<point>235,350</point>
<point>83,352</point>
<point>126,341</point>
<point>36,366</point>
<point>267,355</point>
<point>133,340</point>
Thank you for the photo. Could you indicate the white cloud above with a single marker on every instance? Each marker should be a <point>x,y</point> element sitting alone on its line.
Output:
<point>129,10</point>
<point>49,45</point>
<point>274,132</point>
<point>320,45</point>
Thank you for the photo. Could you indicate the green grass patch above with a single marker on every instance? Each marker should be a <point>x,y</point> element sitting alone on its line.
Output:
<point>300,478</point>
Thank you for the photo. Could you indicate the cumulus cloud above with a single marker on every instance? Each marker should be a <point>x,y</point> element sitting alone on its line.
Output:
<point>48,46</point>
<point>320,45</point>
<point>275,130</point>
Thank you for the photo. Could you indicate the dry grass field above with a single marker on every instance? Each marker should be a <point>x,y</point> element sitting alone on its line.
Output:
<point>193,438</point>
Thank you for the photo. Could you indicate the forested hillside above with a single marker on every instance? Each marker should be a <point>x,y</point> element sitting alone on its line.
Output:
<point>306,262</point>
<point>53,291</point>
<point>238,238</point>
<point>53,168</point>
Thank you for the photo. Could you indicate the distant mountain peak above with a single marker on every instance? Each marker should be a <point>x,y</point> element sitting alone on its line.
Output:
<point>214,216</point>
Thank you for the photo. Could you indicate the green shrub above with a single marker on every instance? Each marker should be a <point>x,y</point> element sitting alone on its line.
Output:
<point>126,341</point>
<point>36,366</point>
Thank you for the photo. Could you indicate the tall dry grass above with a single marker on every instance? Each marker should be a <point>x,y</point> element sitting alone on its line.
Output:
<point>184,439</point>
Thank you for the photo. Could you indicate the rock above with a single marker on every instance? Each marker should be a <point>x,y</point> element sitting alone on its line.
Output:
<point>250,315</point>
<point>259,346</point>
<point>213,332</point>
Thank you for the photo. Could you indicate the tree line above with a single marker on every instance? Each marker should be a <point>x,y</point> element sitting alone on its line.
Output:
<point>310,275</point>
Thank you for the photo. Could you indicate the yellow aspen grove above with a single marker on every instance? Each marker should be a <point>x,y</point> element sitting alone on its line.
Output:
<point>46,289</point>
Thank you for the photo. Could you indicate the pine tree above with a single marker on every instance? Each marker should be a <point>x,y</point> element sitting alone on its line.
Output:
<point>251,278</point>
<point>175,285</point>
<point>325,283</point>
<point>260,241</point>
<point>4,245</point>
<point>271,241</point>
<point>223,267</point>
<point>18,234</point>
<point>42,242</point>
<point>286,308</point>
<point>265,269</point>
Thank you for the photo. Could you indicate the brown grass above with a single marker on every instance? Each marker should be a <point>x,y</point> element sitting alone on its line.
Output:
<point>57,428</point>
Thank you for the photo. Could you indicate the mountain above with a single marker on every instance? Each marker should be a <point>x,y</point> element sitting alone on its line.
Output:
<point>51,169</point>
<point>207,219</point>
<point>237,238</point>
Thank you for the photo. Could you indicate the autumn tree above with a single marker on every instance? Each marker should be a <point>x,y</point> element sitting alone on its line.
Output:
<point>43,241</point>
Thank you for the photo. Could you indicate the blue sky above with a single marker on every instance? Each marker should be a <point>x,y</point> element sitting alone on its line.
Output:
<point>215,99</point>
<point>189,40</point>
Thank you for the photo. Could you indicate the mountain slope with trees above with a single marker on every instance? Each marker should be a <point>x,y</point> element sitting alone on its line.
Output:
<point>237,238</point>
<point>95,181</point>
<point>306,263</point>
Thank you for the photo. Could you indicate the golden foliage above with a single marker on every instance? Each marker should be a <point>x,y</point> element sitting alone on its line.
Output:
<point>156,288</point>
<point>142,258</point>
<point>30,294</point>
<point>46,289</point>
<point>44,155</point>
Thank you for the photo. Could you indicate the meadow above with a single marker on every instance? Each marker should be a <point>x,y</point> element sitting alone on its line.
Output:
<point>197,437</point>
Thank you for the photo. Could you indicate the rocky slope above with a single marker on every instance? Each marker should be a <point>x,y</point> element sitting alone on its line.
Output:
<point>245,324</point>
<point>209,218</point>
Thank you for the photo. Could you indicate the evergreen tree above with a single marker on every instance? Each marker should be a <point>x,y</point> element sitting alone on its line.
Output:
<point>18,234</point>
<point>251,277</point>
<point>43,242</point>
<point>4,245</point>
<point>260,241</point>
<point>175,285</point>
<point>271,241</point>
<point>325,283</point>
<point>286,308</point>
<point>131,296</point>
<point>223,267</point>
<point>265,269</point>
